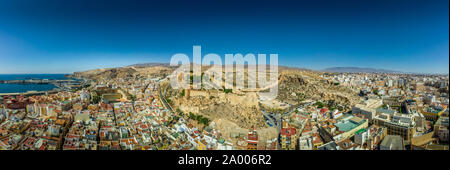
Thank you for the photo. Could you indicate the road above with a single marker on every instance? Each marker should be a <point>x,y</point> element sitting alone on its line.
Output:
<point>276,120</point>
<point>273,120</point>
<point>163,99</point>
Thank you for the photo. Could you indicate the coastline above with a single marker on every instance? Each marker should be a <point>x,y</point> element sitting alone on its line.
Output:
<point>32,84</point>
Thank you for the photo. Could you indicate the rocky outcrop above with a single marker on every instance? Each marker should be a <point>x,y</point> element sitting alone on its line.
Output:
<point>240,109</point>
<point>109,73</point>
<point>295,87</point>
<point>125,72</point>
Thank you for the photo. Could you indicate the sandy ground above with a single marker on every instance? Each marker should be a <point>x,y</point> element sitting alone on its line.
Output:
<point>227,128</point>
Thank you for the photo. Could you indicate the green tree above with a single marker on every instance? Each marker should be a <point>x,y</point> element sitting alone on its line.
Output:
<point>191,115</point>
<point>227,90</point>
<point>133,98</point>
<point>169,101</point>
<point>205,121</point>
<point>375,91</point>
<point>319,104</point>
<point>96,99</point>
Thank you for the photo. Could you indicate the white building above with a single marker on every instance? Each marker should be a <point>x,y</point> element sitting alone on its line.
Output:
<point>362,136</point>
<point>305,143</point>
<point>367,108</point>
<point>225,146</point>
<point>336,114</point>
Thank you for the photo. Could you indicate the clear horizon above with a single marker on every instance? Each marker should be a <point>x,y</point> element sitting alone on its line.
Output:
<point>62,37</point>
<point>279,65</point>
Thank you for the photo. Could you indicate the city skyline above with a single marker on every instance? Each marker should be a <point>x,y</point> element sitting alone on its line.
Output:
<point>262,84</point>
<point>64,37</point>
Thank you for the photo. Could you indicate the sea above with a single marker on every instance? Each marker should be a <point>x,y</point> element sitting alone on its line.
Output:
<point>20,88</point>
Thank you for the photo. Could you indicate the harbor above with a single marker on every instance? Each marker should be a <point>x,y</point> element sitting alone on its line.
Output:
<point>51,86</point>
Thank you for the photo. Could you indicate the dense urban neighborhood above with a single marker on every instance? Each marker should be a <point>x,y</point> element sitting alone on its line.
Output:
<point>140,111</point>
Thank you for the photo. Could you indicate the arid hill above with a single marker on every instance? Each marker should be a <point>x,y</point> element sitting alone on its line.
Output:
<point>240,107</point>
<point>297,86</point>
<point>126,72</point>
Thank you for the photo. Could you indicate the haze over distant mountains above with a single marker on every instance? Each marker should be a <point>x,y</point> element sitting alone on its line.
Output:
<point>168,64</point>
<point>331,69</point>
<point>358,70</point>
<point>149,64</point>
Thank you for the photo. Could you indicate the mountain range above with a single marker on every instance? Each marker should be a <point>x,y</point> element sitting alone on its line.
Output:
<point>331,69</point>
<point>358,70</point>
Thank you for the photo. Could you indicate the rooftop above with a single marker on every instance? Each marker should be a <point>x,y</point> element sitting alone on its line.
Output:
<point>387,111</point>
<point>346,126</point>
<point>394,142</point>
<point>361,131</point>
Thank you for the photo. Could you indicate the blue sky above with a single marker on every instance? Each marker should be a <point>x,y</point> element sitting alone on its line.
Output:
<point>53,36</point>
